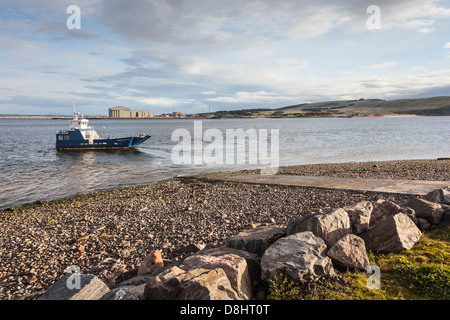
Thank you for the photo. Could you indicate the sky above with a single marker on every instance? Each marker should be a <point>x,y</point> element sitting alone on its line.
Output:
<point>193,56</point>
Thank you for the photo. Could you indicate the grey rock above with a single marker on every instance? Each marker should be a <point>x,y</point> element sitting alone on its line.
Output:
<point>392,234</point>
<point>195,284</point>
<point>234,266</point>
<point>428,210</point>
<point>256,240</point>
<point>304,223</point>
<point>252,259</point>
<point>383,209</point>
<point>441,196</point>
<point>91,288</point>
<point>300,256</point>
<point>446,216</point>
<point>330,226</point>
<point>411,213</point>
<point>359,215</point>
<point>423,224</point>
<point>350,252</point>
<point>333,226</point>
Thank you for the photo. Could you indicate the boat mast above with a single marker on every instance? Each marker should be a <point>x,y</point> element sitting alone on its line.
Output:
<point>75,113</point>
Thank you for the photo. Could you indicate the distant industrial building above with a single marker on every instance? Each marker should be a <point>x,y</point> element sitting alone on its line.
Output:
<point>123,112</point>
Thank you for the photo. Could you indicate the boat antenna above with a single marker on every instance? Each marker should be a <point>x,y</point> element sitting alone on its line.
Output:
<point>75,114</point>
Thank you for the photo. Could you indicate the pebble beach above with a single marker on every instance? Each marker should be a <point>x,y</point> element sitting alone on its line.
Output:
<point>432,170</point>
<point>109,232</point>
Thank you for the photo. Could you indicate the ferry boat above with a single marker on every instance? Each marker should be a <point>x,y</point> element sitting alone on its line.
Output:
<point>82,137</point>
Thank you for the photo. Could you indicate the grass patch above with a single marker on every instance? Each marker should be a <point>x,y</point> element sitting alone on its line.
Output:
<point>280,288</point>
<point>422,273</point>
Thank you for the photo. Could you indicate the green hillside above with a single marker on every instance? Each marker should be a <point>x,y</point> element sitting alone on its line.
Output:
<point>436,106</point>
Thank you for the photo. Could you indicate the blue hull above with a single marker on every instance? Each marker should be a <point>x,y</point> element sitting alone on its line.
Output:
<point>73,140</point>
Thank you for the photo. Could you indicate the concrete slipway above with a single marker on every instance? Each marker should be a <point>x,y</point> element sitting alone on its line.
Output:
<point>414,187</point>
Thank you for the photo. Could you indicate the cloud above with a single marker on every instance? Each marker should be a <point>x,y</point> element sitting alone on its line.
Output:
<point>347,72</point>
<point>252,98</point>
<point>192,53</point>
<point>420,25</point>
<point>58,31</point>
<point>35,105</point>
<point>422,16</point>
<point>230,23</point>
<point>419,68</point>
<point>318,23</point>
<point>426,30</point>
<point>292,63</point>
<point>383,65</point>
<point>162,101</point>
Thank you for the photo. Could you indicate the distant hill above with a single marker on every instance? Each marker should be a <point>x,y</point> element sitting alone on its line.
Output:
<point>436,106</point>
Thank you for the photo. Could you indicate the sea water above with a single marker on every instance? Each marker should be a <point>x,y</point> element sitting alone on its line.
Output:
<point>32,169</point>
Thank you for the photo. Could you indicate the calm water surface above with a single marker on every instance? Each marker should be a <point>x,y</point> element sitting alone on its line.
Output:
<point>32,169</point>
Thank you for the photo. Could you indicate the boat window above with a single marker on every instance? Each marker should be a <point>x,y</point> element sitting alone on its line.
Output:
<point>66,137</point>
<point>60,137</point>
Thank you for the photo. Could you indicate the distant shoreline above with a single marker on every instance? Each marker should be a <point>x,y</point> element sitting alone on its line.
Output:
<point>356,108</point>
<point>402,116</point>
<point>211,118</point>
<point>86,117</point>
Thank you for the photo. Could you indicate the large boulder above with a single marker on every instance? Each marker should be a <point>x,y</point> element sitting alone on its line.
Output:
<point>428,210</point>
<point>441,196</point>
<point>350,252</point>
<point>423,224</point>
<point>392,234</point>
<point>330,226</point>
<point>359,215</point>
<point>256,240</point>
<point>196,284</point>
<point>234,266</point>
<point>76,287</point>
<point>383,209</point>
<point>210,274</point>
<point>300,256</point>
<point>307,222</point>
<point>446,216</point>
<point>333,226</point>
<point>252,259</point>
